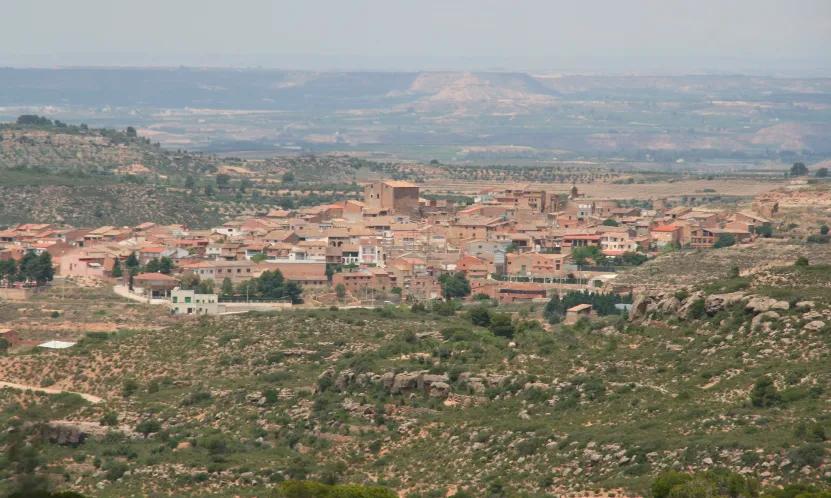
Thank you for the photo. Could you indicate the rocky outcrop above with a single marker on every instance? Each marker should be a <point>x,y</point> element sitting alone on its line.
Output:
<point>645,305</point>
<point>669,305</point>
<point>387,380</point>
<point>815,325</point>
<point>686,306</point>
<point>426,380</point>
<point>760,304</point>
<point>257,397</point>
<point>475,384</point>
<point>639,306</point>
<point>344,379</point>
<point>405,382</point>
<point>64,434</point>
<point>439,390</point>
<point>717,302</point>
<point>761,317</point>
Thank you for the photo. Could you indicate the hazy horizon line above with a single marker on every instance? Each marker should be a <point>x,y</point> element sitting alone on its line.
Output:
<point>317,62</point>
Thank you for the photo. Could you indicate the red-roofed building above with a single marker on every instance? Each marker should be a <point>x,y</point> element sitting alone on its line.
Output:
<point>508,292</point>
<point>156,285</point>
<point>149,253</point>
<point>667,234</point>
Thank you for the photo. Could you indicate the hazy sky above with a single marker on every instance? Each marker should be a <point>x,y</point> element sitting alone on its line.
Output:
<point>92,31</point>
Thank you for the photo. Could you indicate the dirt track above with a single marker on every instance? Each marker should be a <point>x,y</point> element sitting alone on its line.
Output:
<point>88,397</point>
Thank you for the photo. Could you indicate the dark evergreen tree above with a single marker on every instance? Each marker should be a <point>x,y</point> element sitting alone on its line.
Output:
<point>116,271</point>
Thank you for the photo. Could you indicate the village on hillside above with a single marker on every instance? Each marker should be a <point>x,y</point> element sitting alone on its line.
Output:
<point>515,243</point>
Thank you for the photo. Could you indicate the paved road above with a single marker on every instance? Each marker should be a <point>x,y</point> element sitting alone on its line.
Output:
<point>88,397</point>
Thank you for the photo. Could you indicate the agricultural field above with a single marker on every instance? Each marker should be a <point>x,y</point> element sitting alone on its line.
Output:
<point>72,307</point>
<point>625,191</point>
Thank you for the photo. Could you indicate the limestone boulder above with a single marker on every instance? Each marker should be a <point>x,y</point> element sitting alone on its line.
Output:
<point>639,307</point>
<point>763,317</point>
<point>406,382</point>
<point>439,390</point>
<point>717,302</point>
<point>387,380</point>
<point>669,305</point>
<point>759,304</point>
<point>426,380</point>
<point>343,380</point>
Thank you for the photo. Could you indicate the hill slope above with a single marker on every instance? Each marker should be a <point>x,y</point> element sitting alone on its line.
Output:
<point>96,151</point>
<point>425,403</point>
<point>58,173</point>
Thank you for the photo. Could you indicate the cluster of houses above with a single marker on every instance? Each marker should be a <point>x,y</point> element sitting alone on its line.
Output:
<point>514,242</point>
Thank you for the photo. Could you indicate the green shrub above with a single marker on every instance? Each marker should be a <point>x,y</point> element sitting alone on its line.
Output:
<point>704,484</point>
<point>501,325</point>
<point>196,398</point>
<point>807,455</point>
<point>798,489</point>
<point>311,489</point>
<point>764,394</point>
<point>697,309</point>
<point>109,419</point>
<point>129,387</point>
<point>480,316</point>
<point>275,357</point>
<point>528,447</point>
<point>456,334</point>
<point>724,240</point>
<point>115,469</point>
<point>148,427</point>
<point>447,308</point>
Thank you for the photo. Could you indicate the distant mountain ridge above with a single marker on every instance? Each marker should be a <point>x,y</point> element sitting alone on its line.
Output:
<point>436,114</point>
<point>250,89</point>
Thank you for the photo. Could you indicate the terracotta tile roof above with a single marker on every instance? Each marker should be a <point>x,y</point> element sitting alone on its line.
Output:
<point>155,276</point>
<point>399,183</point>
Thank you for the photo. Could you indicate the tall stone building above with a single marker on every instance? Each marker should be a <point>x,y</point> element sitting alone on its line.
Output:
<point>397,196</point>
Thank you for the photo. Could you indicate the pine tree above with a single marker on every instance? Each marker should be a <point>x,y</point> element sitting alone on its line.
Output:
<point>152,266</point>
<point>166,266</point>
<point>116,272</point>
<point>227,289</point>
